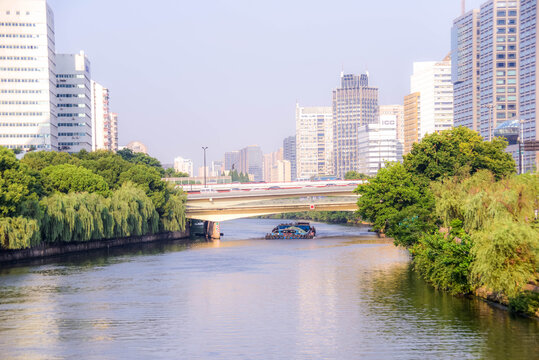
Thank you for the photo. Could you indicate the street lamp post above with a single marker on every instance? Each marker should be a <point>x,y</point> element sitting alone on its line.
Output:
<point>490,108</point>
<point>204,148</point>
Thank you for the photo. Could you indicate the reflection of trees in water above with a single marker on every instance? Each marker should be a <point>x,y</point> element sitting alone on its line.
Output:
<point>469,325</point>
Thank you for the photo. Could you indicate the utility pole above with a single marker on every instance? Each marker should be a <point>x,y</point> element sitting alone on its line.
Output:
<point>204,148</point>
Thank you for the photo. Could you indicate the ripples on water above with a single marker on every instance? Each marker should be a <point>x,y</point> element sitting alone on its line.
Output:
<point>344,295</point>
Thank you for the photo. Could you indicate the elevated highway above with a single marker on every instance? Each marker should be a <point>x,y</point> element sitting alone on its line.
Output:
<point>221,206</point>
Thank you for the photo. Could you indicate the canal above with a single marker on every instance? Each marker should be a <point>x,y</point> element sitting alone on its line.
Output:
<point>344,295</point>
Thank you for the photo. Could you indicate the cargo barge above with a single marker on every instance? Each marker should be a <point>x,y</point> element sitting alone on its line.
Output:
<point>298,230</point>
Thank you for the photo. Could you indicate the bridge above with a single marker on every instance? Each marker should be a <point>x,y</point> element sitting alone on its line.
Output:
<point>216,206</point>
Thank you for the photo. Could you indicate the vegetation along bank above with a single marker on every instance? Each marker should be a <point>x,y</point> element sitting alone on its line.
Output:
<point>52,198</point>
<point>468,220</point>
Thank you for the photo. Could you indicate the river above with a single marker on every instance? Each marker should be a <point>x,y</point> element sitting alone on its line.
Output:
<point>344,295</point>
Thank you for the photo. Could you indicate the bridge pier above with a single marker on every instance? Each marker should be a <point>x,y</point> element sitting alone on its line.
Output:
<point>212,230</point>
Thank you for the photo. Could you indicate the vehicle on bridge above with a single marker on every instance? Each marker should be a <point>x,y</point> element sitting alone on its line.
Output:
<point>298,230</point>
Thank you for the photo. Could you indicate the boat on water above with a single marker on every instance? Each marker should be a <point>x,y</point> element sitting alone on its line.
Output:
<point>298,230</point>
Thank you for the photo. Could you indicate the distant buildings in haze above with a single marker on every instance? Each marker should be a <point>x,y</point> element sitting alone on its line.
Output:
<point>314,141</point>
<point>184,165</point>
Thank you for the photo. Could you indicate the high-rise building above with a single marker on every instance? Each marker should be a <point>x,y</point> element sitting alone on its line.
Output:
<point>486,46</point>
<point>465,69</point>
<point>411,120</point>
<point>104,122</point>
<point>314,141</point>
<point>355,104</point>
<point>432,80</point>
<point>251,162</point>
<point>280,171</point>
<point>269,161</point>
<point>529,95</point>
<point>398,111</point>
<point>232,160</point>
<point>113,118</point>
<point>289,153</point>
<point>216,168</point>
<point>499,64</point>
<point>378,144</point>
<point>183,165</point>
<point>73,91</point>
<point>27,76</point>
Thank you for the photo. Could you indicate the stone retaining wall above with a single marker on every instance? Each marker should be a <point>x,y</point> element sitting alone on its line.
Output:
<point>46,250</point>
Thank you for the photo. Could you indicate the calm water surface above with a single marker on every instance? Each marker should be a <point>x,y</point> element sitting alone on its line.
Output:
<point>344,295</point>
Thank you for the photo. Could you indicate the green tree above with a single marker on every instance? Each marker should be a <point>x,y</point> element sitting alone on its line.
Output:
<point>69,178</point>
<point>18,184</point>
<point>38,160</point>
<point>171,173</point>
<point>141,159</point>
<point>397,203</point>
<point>149,180</point>
<point>445,154</point>
<point>354,175</point>
<point>106,164</point>
<point>18,233</point>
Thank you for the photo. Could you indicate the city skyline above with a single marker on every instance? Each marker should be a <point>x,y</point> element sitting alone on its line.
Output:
<point>265,120</point>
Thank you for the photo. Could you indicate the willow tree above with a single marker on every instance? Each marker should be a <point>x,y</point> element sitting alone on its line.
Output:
<point>500,218</point>
<point>76,217</point>
<point>133,212</point>
<point>18,233</point>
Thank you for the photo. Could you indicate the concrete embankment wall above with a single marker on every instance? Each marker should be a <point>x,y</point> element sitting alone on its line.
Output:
<point>7,256</point>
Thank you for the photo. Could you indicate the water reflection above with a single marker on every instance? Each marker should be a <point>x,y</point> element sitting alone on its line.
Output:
<point>345,295</point>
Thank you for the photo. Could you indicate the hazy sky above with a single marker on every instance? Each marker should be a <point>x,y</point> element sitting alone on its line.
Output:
<point>227,74</point>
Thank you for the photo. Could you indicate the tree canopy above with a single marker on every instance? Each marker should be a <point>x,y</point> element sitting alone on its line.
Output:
<point>455,151</point>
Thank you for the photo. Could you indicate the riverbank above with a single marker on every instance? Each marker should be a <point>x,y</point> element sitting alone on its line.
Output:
<point>48,250</point>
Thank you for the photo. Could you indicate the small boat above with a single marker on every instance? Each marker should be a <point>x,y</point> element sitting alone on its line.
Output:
<point>298,230</point>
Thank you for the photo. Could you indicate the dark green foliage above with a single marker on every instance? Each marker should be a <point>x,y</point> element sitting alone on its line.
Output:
<point>241,177</point>
<point>397,203</point>
<point>106,164</point>
<point>69,178</point>
<point>41,159</point>
<point>18,233</point>
<point>445,154</point>
<point>171,173</point>
<point>526,303</point>
<point>149,180</point>
<point>445,260</point>
<point>333,217</point>
<point>354,175</point>
<point>18,184</point>
<point>141,159</point>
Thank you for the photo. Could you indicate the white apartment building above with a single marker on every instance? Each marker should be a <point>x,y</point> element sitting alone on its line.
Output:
<point>104,122</point>
<point>398,111</point>
<point>432,80</point>
<point>27,75</point>
<point>184,165</point>
<point>73,92</point>
<point>113,131</point>
<point>377,144</point>
<point>314,141</point>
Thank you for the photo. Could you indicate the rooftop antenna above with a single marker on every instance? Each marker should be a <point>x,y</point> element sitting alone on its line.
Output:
<point>463,6</point>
